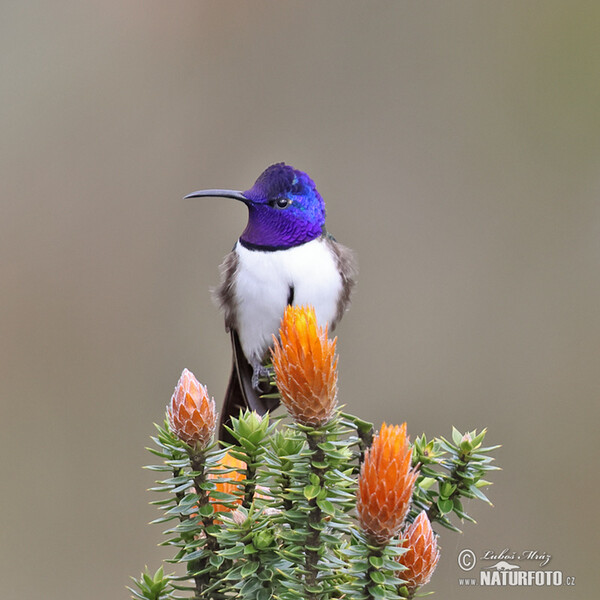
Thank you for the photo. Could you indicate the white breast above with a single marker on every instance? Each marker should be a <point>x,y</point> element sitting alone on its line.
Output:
<point>262,287</point>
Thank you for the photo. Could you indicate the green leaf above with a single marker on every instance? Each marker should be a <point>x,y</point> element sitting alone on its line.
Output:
<point>314,479</point>
<point>200,553</point>
<point>377,577</point>
<point>378,591</point>
<point>456,435</point>
<point>327,446</point>
<point>478,494</point>
<point>263,539</point>
<point>216,495</point>
<point>447,489</point>
<point>376,561</point>
<point>476,441</point>
<point>359,567</point>
<point>326,506</point>
<point>233,574</point>
<point>311,491</point>
<point>249,568</point>
<point>445,505</point>
<point>426,483</point>
<point>206,510</point>
<point>216,560</point>
<point>234,552</point>
<point>264,594</point>
<point>466,446</point>
<point>266,574</point>
<point>320,465</point>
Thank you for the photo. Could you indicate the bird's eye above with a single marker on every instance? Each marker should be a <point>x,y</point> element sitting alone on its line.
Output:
<point>282,203</point>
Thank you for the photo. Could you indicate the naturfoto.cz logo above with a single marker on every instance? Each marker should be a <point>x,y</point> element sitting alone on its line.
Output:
<point>502,569</point>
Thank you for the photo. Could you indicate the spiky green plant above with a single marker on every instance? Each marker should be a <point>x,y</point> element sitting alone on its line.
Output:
<point>275,514</point>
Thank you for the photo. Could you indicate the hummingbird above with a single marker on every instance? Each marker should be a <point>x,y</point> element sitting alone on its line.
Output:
<point>284,256</point>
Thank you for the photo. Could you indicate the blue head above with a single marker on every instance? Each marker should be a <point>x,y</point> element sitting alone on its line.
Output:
<point>284,208</point>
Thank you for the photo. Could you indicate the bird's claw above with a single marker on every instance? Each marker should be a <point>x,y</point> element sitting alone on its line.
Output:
<point>259,374</point>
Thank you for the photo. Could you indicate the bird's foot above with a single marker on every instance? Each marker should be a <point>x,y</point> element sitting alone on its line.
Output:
<point>261,374</point>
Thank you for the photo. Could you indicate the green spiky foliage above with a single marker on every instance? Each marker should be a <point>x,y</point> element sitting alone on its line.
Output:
<point>288,530</point>
<point>189,509</point>
<point>151,587</point>
<point>450,471</point>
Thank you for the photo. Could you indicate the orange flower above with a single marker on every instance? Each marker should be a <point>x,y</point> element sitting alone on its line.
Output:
<point>422,555</point>
<point>306,367</point>
<point>385,484</point>
<point>228,487</point>
<point>191,413</point>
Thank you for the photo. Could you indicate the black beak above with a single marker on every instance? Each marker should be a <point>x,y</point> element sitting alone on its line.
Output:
<point>219,194</point>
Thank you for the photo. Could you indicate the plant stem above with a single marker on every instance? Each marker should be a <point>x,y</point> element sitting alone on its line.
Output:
<point>372,552</point>
<point>455,476</point>
<point>285,483</point>
<point>249,486</point>
<point>312,545</point>
<point>365,432</point>
<point>198,464</point>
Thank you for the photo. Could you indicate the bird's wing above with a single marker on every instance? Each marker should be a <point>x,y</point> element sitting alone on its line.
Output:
<point>224,295</point>
<point>348,267</point>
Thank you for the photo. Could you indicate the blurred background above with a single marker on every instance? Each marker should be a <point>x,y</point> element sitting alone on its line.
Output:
<point>457,145</point>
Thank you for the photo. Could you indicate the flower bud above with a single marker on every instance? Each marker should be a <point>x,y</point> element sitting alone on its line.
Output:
<point>191,412</point>
<point>385,484</point>
<point>305,367</point>
<point>422,556</point>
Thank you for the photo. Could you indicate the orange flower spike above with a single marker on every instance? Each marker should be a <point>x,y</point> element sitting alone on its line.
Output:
<point>191,412</point>
<point>385,484</point>
<point>422,556</point>
<point>227,463</point>
<point>305,367</point>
